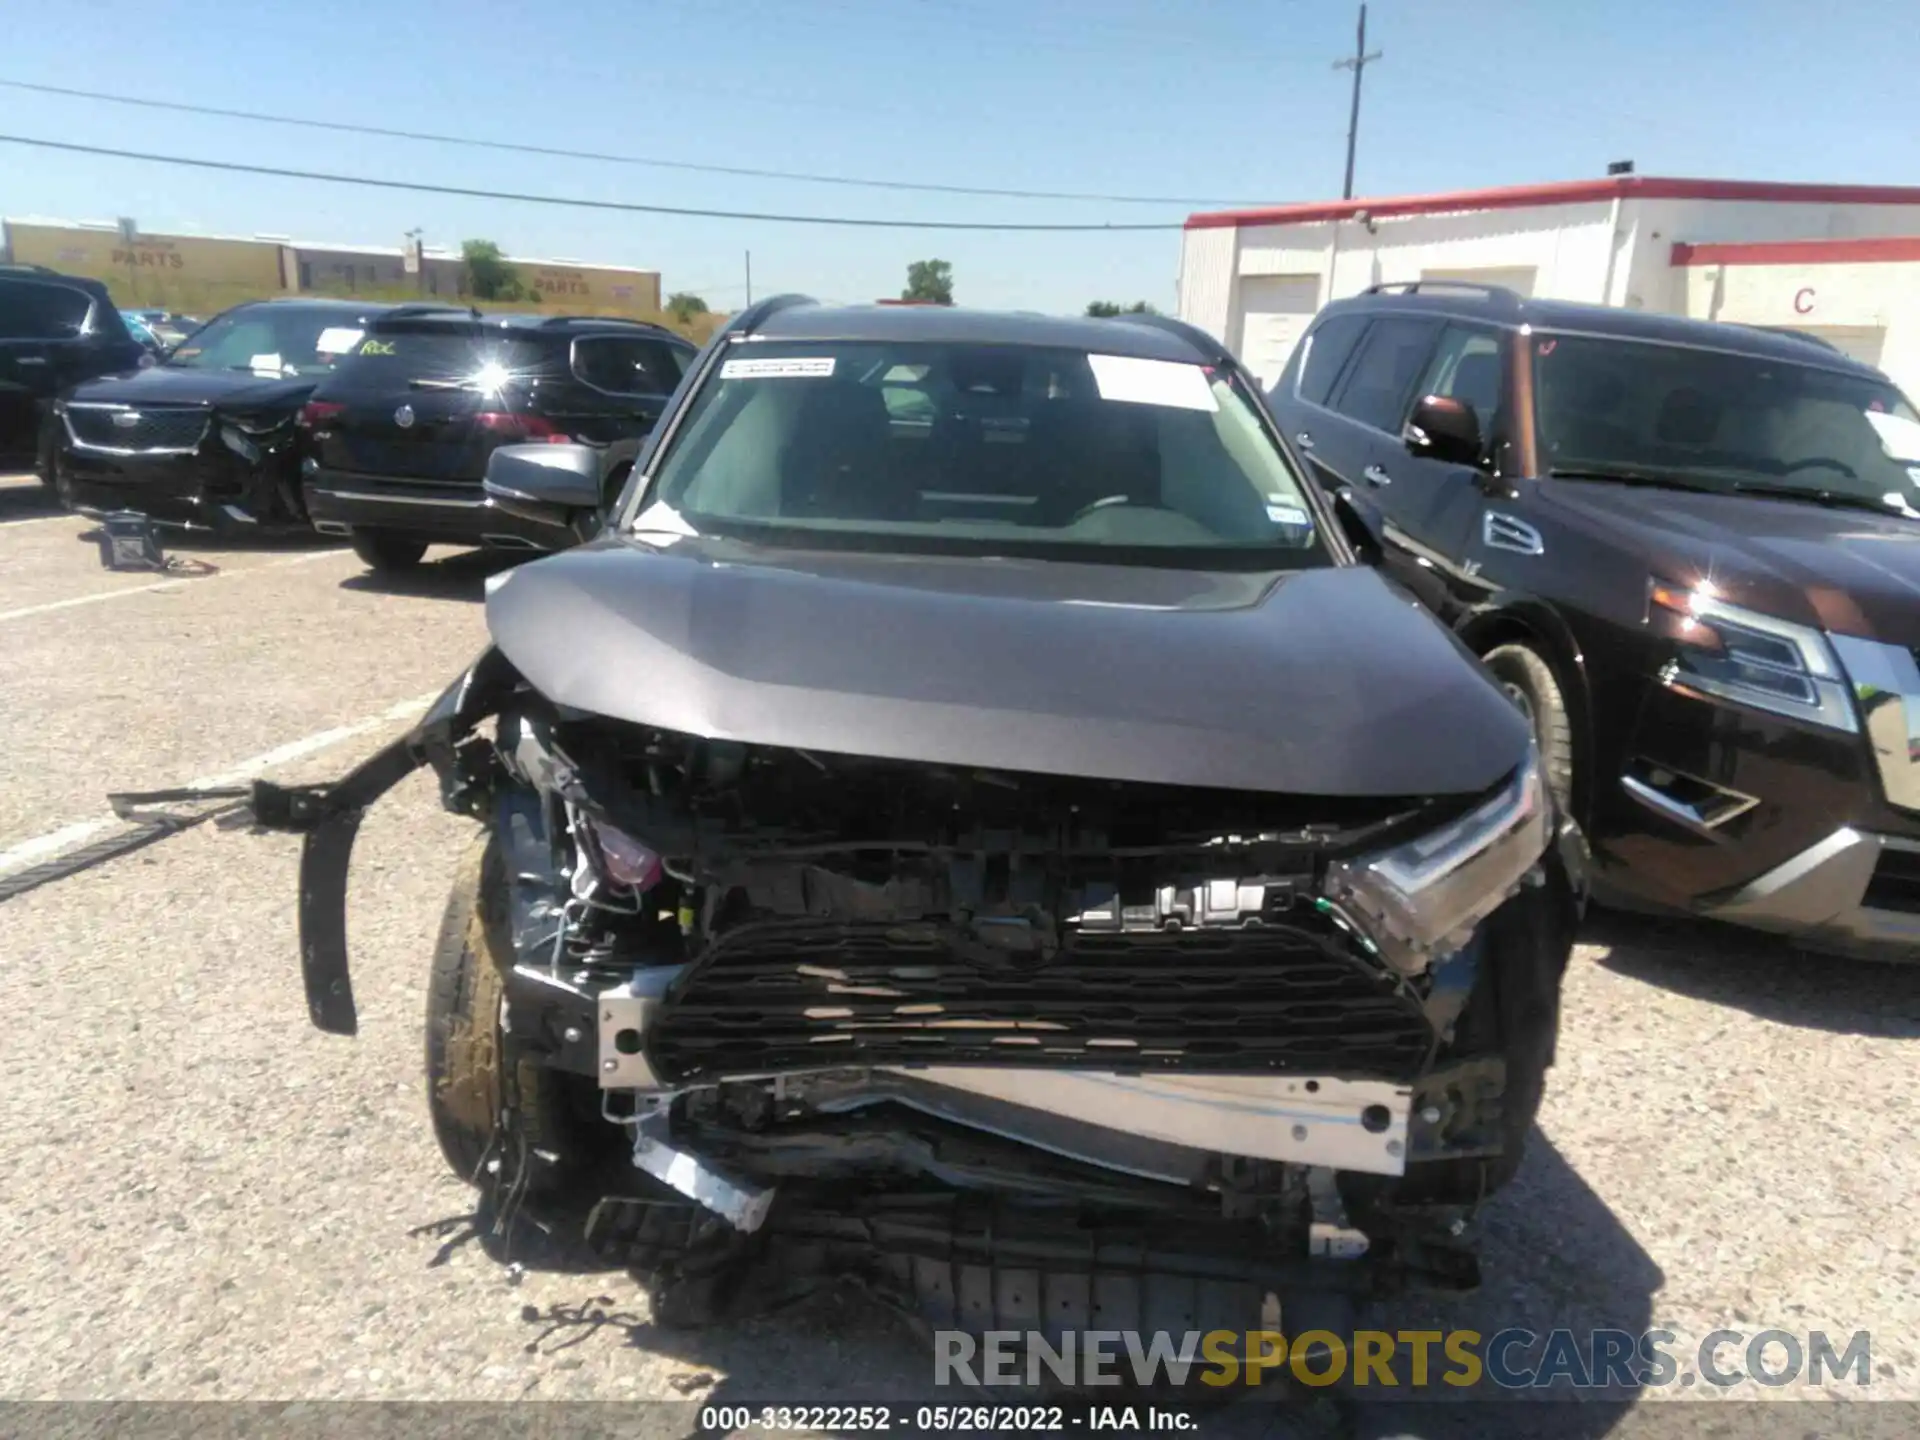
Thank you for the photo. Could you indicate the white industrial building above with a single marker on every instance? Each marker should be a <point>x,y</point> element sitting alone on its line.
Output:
<point>1839,261</point>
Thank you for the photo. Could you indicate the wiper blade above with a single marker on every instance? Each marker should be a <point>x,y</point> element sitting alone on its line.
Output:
<point>1625,476</point>
<point>440,385</point>
<point>1835,499</point>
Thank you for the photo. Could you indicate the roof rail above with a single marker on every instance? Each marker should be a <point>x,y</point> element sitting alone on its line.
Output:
<point>555,321</point>
<point>1417,287</point>
<point>425,307</point>
<point>1201,341</point>
<point>749,319</point>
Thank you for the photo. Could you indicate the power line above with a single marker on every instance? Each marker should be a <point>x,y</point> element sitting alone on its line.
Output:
<point>653,162</point>
<point>423,187</point>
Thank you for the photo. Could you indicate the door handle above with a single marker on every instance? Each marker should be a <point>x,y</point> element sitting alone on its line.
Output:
<point>1303,440</point>
<point>1374,475</point>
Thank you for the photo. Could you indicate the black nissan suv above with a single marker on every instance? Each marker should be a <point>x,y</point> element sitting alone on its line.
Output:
<point>1690,551</point>
<point>400,437</point>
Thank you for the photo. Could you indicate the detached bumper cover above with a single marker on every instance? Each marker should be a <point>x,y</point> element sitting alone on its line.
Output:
<point>328,819</point>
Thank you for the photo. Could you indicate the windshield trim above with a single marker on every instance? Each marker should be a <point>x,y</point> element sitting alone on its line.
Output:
<point>1328,532</point>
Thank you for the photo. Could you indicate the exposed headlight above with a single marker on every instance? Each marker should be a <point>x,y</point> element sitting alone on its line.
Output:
<point>1748,658</point>
<point>1421,899</point>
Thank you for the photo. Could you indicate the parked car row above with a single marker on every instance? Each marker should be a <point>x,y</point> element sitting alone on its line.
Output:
<point>373,422</point>
<point>1689,551</point>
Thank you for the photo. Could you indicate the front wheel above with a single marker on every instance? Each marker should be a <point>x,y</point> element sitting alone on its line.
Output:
<point>482,1109</point>
<point>1530,683</point>
<point>386,552</point>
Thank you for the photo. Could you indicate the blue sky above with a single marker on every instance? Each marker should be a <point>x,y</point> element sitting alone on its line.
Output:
<point>1234,99</point>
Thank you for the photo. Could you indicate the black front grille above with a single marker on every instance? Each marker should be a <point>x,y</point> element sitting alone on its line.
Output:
<point>117,429</point>
<point>1896,882</point>
<point>782,996</point>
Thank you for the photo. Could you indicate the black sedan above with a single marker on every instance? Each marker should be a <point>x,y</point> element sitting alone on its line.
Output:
<point>206,439</point>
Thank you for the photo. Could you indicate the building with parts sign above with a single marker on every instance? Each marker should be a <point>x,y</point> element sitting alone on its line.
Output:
<point>202,274</point>
<point>1841,262</point>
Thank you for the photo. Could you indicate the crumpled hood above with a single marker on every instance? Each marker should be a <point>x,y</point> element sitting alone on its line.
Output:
<point>184,385</point>
<point>1326,682</point>
<point>1847,571</point>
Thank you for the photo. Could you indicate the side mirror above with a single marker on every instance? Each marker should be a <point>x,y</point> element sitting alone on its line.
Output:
<point>1357,527</point>
<point>548,484</point>
<point>1442,428</point>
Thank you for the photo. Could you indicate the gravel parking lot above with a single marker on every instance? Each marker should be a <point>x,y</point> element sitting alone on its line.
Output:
<point>207,1199</point>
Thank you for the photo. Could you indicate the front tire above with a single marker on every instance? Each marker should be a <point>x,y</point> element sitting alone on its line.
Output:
<point>482,1108</point>
<point>387,553</point>
<point>1531,684</point>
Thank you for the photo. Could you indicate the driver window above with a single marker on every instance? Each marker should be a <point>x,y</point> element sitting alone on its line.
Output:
<point>1469,365</point>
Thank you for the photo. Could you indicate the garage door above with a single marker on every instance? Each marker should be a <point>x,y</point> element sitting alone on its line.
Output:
<point>1274,313</point>
<point>1517,278</point>
<point>1856,342</point>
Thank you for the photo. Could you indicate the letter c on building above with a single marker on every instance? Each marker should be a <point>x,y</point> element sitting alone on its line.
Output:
<point>1803,300</point>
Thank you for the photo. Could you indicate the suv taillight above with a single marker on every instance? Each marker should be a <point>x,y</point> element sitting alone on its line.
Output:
<point>521,427</point>
<point>318,412</point>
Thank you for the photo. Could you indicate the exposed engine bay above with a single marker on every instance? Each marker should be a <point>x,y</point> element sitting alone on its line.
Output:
<point>898,1013</point>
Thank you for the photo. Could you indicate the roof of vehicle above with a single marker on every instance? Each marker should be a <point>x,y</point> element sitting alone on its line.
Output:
<point>947,324</point>
<point>1505,307</point>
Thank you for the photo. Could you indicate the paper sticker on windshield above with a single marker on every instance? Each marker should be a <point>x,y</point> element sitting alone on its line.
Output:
<point>264,365</point>
<point>1899,436</point>
<point>338,340</point>
<point>1132,381</point>
<point>771,369</point>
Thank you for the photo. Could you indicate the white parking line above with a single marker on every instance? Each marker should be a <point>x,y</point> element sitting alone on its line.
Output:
<point>163,585</point>
<point>55,843</point>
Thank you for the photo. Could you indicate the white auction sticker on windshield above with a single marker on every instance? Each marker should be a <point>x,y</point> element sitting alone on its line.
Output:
<point>772,369</point>
<point>1899,436</point>
<point>338,340</point>
<point>1132,381</point>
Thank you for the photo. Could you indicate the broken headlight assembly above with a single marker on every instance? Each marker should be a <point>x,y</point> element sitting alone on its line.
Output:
<point>1421,899</point>
<point>1724,652</point>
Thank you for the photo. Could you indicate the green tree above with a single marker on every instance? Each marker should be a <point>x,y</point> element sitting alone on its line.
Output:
<point>929,280</point>
<point>489,276</point>
<point>1106,309</point>
<point>683,306</point>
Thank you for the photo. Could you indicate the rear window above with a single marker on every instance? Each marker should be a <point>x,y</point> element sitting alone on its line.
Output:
<point>30,310</point>
<point>448,354</point>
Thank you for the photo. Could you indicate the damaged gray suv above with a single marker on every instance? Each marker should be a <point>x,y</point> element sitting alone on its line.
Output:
<point>972,819</point>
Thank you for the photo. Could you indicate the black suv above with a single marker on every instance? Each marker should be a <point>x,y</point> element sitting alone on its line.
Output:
<point>969,801</point>
<point>401,436</point>
<point>55,330</point>
<point>206,439</point>
<point>1690,550</point>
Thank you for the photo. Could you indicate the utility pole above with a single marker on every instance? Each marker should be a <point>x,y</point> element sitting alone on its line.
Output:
<point>749,277</point>
<point>1358,63</point>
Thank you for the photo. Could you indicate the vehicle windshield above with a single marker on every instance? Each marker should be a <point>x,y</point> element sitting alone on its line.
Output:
<point>271,341</point>
<point>1722,421</point>
<point>30,310</point>
<point>984,449</point>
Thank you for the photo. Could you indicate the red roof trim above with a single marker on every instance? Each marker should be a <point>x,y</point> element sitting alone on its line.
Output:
<point>1802,252</point>
<point>1563,192</point>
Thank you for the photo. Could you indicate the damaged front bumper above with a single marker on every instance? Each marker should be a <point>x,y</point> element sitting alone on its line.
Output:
<point>237,479</point>
<point>1119,1134</point>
